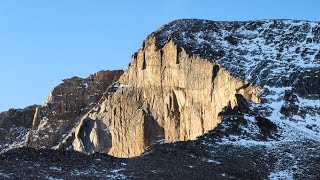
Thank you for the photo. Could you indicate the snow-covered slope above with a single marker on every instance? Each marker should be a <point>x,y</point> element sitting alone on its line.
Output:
<point>262,52</point>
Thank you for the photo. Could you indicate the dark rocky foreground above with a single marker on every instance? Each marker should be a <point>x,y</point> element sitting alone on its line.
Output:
<point>220,154</point>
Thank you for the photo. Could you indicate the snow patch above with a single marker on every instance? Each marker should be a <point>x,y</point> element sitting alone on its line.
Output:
<point>281,175</point>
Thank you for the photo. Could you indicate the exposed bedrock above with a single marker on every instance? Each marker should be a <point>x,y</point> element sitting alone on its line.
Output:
<point>165,94</point>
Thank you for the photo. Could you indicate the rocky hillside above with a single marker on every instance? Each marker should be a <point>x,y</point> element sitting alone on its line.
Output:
<point>46,125</point>
<point>235,100</point>
<point>14,125</point>
<point>66,104</point>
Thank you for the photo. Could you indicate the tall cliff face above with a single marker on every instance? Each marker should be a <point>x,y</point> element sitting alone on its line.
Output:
<point>189,71</point>
<point>65,106</point>
<point>165,94</point>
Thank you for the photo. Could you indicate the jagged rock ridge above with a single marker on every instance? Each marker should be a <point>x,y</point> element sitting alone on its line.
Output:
<point>46,125</point>
<point>65,106</point>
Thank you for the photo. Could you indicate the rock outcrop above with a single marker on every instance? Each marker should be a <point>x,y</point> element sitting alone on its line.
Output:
<point>65,106</point>
<point>14,125</point>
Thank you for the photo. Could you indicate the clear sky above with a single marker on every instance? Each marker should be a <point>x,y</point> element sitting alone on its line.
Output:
<point>43,42</point>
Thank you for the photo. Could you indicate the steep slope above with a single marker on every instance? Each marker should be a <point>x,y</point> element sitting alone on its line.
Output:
<point>188,71</point>
<point>152,104</point>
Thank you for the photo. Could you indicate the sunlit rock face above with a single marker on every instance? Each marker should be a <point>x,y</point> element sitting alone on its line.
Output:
<point>166,94</point>
<point>189,71</point>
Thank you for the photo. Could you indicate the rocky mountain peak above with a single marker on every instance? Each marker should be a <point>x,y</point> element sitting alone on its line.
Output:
<point>219,65</point>
<point>203,95</point>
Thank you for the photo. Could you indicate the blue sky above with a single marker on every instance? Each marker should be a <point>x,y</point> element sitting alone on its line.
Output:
<point>43,42</point>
